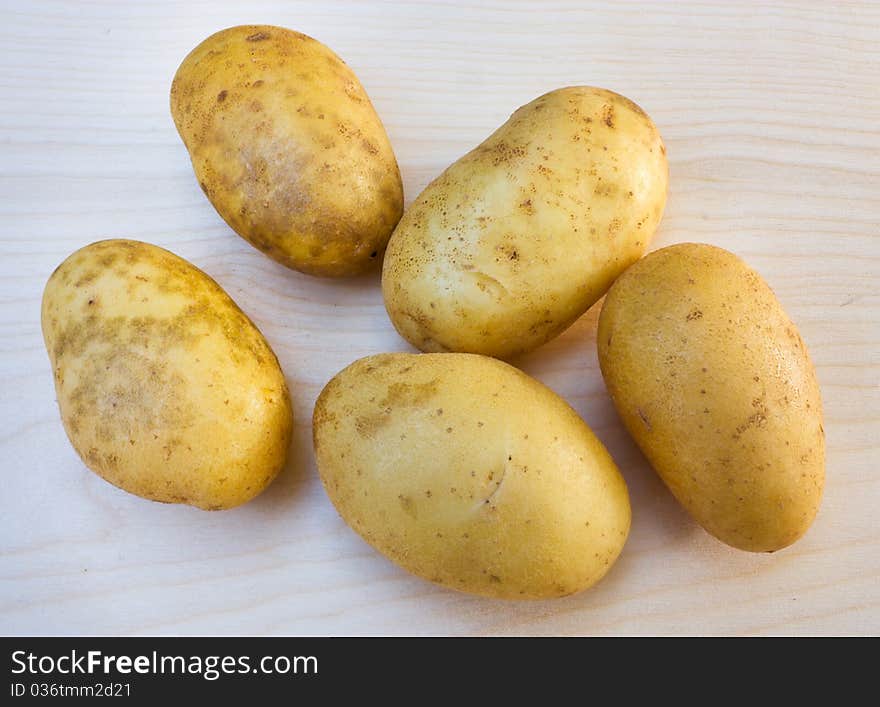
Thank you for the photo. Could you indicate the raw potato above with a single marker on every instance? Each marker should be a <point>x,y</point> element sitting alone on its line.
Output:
<point>714,382</point>
<point>515,241</point>
<point>467,472</point>
<point>287,146</point>
<point>166,388</point>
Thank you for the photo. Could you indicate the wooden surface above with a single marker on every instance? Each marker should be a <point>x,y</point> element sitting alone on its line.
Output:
<point>770,116</point>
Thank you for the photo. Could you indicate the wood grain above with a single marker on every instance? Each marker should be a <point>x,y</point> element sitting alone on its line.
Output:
<point>770,115</point>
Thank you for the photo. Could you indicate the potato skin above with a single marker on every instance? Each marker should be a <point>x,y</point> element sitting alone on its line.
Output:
<point>517,239</point>
<point>468,473</point>
<point>166,389</point>
<point>288,148</point>
<point>714,382</point>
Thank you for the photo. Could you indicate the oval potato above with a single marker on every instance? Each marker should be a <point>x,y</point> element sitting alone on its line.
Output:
<point>517,239</point>
<point>468,473</point>
<point>288,148</point>
<point>714,383</point>
<point>166,388</point>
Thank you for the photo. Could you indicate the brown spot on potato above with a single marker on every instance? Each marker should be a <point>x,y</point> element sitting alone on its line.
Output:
<point>222,96</point>
<point>501,152</point>
<point>605,188</point>
<point>410,394</point>
<point>608,115</point>
<point>258,36</point>
<point>408,506</point>
<point>369,425</point>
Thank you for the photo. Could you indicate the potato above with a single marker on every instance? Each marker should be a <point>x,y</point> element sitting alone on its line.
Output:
<point>468,473</point>
<point>511,244</point>
<point>288,148</point>
<point>715,384</point>
<point>166,389</point>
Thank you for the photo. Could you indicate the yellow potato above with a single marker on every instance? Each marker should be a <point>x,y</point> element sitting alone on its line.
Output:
<point>166,388</point>
<point>468,473</point>
<point>517,239</point>
<point>715,384</point>
<point>287,146</point>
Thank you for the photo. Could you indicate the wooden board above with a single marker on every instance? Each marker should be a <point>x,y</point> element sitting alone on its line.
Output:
<point>770,116</point>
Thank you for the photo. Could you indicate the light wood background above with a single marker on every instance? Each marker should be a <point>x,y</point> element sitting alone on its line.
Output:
<point>770,114</point>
